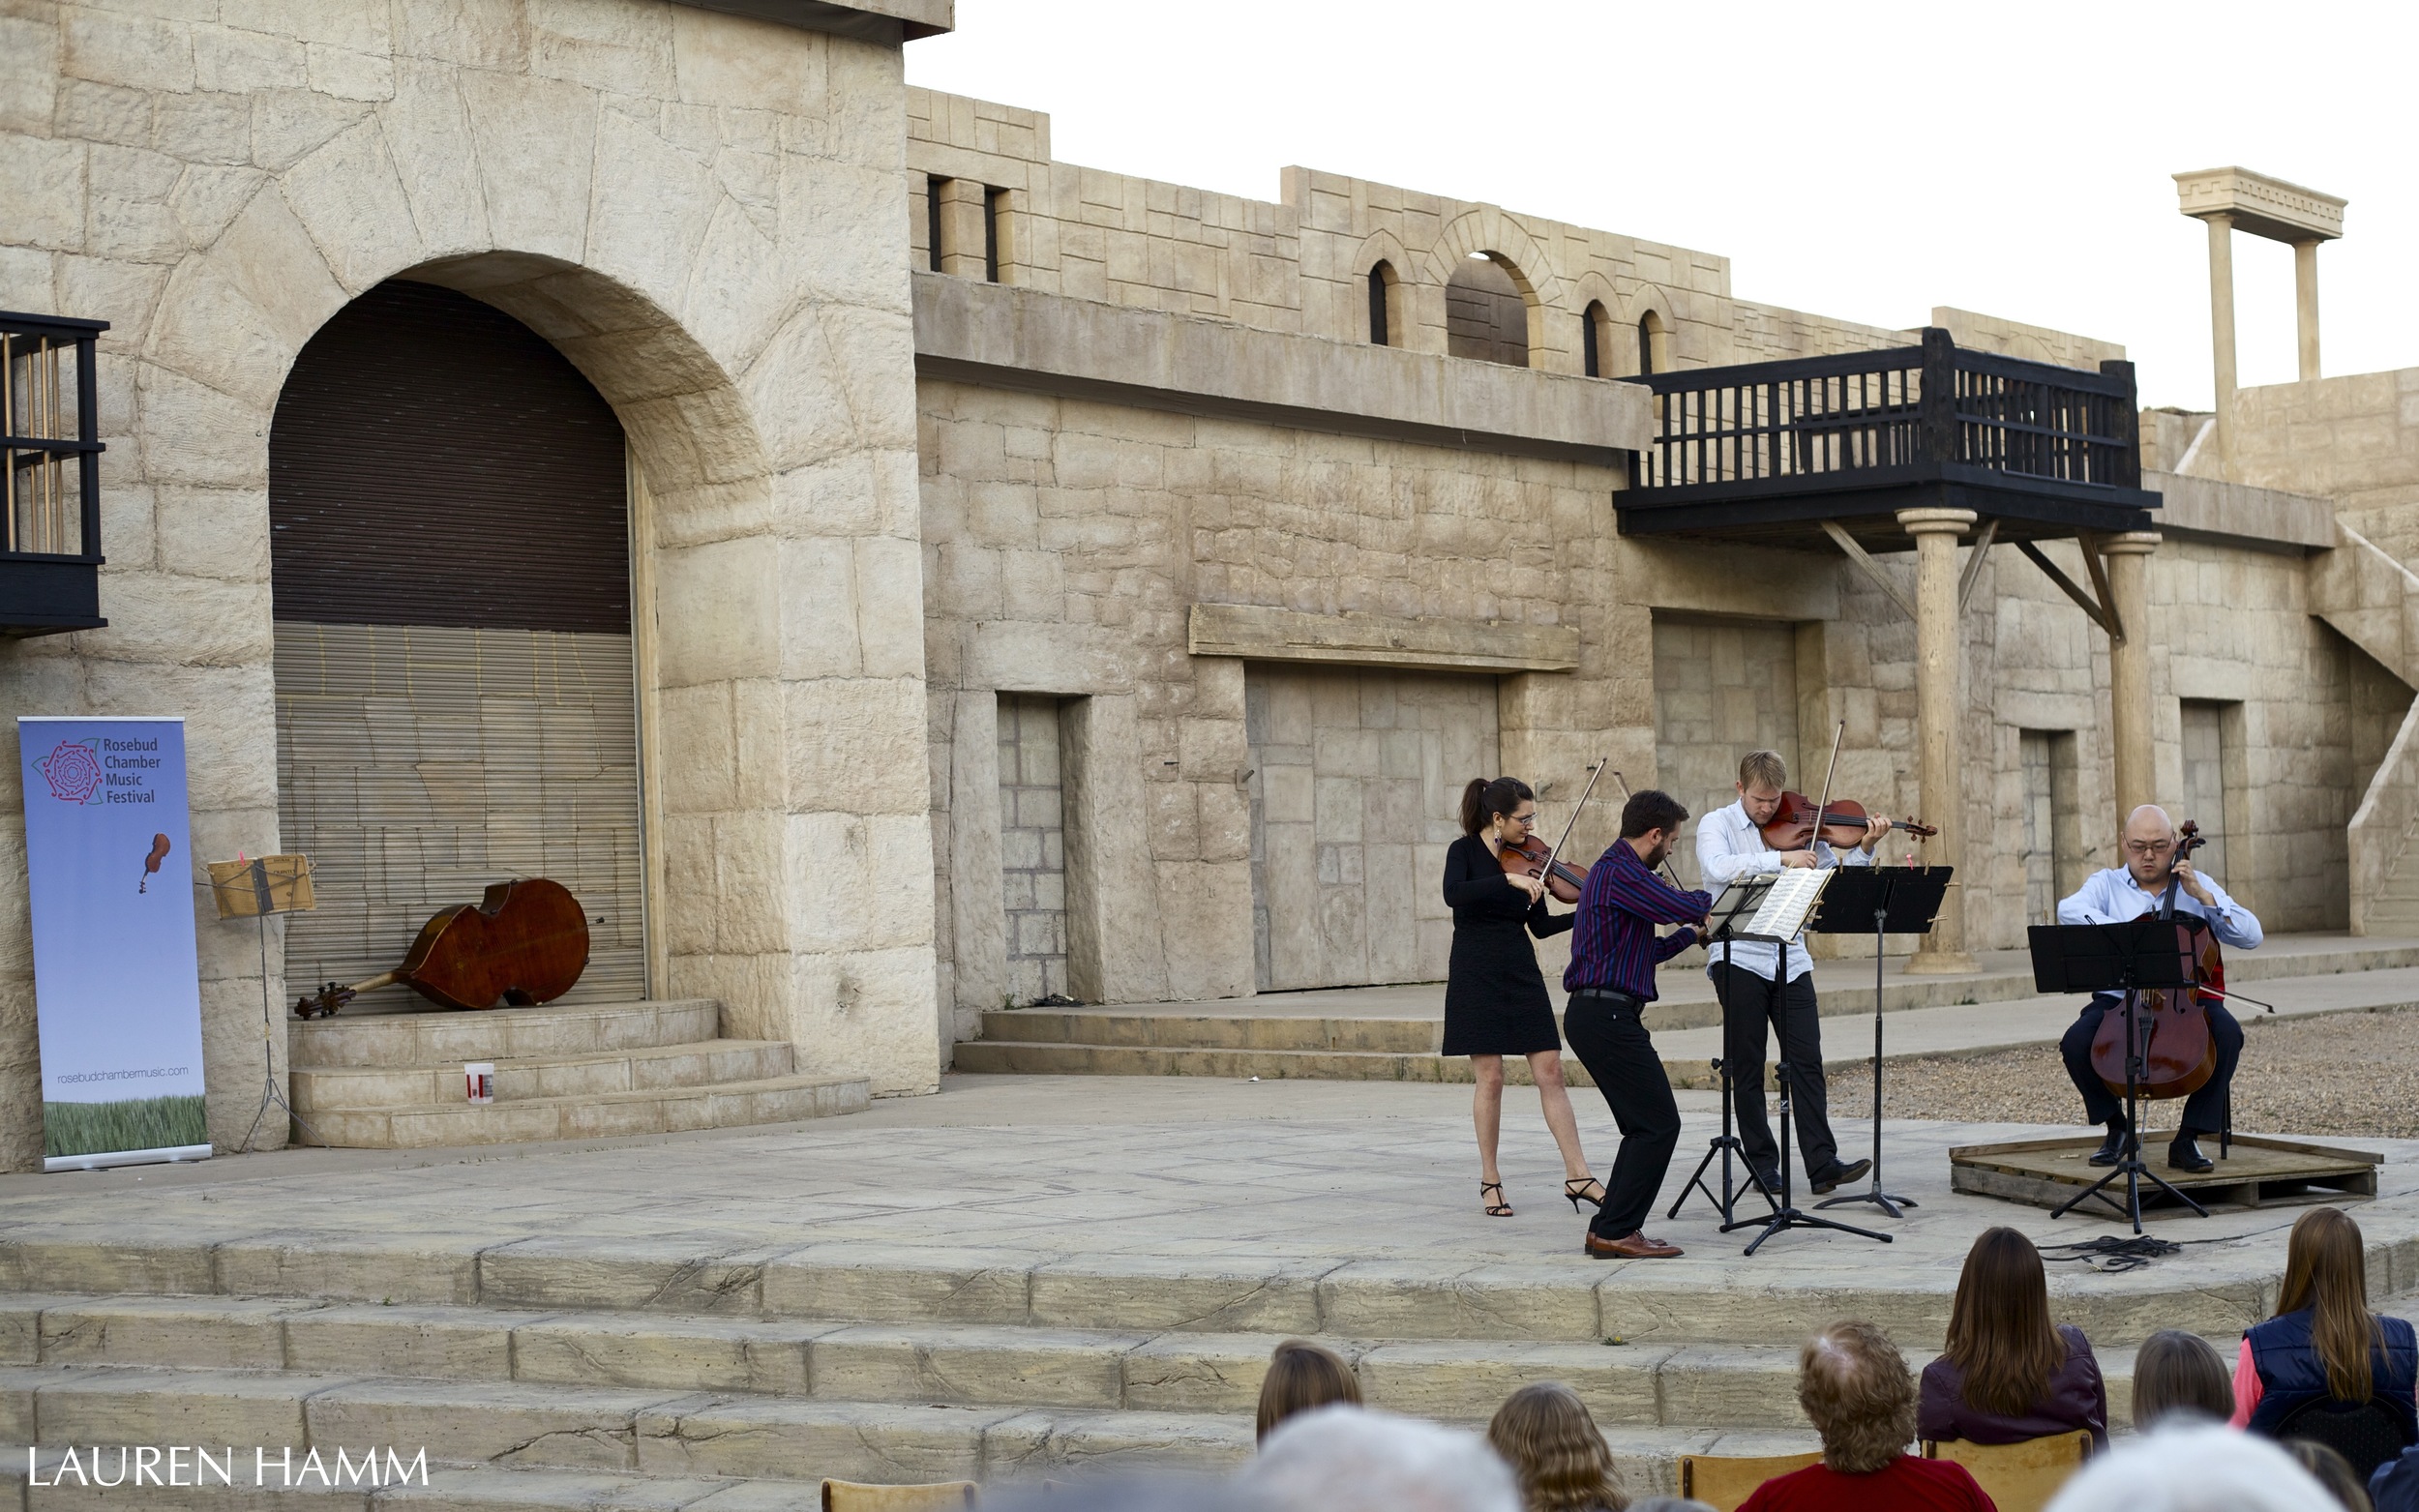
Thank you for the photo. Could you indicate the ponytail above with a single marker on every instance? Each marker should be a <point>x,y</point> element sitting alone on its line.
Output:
<point>1482,800</point>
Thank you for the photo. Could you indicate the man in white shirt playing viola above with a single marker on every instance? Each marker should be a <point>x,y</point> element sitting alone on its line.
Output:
<point>2128,892</point>
<point>1769,989</point>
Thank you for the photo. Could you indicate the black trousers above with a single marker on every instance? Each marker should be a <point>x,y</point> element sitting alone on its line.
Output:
<point>2204,1111</point>
<point>1754,1011</point>
<point>1606,1034</point>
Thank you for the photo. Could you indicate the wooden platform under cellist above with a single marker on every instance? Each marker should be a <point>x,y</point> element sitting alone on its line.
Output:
<point>2257,1172</point>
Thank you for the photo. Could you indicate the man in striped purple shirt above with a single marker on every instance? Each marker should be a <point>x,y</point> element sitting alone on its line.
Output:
<point>1611,979</point>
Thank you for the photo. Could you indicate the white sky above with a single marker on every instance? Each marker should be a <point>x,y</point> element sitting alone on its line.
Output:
<point>1858,160</point>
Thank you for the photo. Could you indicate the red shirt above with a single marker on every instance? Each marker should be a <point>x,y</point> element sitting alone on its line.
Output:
<point>1906,1484</point>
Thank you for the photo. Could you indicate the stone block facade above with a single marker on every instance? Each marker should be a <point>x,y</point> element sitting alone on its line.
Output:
<point>702,213</point>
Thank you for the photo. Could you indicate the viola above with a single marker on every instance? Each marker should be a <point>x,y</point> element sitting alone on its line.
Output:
<point>525,941</point>
<point>2178,1052</point>
<point>1792,826</point>
<point>1533,857</point>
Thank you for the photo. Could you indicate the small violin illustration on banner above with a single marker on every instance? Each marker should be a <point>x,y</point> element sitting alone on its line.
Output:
<point>151,862</point>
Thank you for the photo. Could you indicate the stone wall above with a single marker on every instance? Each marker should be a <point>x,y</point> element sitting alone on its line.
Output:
<point>703,213</point>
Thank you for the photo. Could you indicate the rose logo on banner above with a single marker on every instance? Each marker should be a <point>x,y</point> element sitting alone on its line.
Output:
<point>72,771</point>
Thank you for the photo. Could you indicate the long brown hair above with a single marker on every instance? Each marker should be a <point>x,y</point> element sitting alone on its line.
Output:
<point>1546,1435</point>
<point>2326,1270</point>
<point>1303,1375</point>
<point>2000,1337</point>
<point>2178,1371</point>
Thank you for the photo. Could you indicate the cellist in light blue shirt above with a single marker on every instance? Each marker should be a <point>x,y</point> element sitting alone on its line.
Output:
<point>2128,892</point>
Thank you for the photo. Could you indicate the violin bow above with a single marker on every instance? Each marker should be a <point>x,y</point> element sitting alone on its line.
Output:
<point>1668,875</point>
<point>1594,772</point>
<point>1822,805</point>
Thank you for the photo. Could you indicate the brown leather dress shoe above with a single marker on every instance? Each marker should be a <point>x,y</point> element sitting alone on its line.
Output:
<point>1634,1246</point>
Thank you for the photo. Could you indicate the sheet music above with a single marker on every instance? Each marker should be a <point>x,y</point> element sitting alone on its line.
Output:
<point>1789,903</point>
<point>1736,904</point>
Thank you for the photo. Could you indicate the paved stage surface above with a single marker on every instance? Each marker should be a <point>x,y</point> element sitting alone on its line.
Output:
<point>1038,1170</point>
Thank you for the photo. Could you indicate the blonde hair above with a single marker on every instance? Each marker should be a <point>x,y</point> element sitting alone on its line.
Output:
<point>2326,1270</point>
<point>1763,767</point>
<point>1546,1435</point>
<point>1302,1375</point>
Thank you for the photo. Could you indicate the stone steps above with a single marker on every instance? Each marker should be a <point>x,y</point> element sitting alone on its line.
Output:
<point>1733,1385</point>
<point>394,1081</point>
<point>1646,1303</point>
<point>718,1105</point>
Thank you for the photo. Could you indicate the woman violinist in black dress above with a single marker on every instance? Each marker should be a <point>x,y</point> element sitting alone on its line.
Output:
<point>1495,1002</point>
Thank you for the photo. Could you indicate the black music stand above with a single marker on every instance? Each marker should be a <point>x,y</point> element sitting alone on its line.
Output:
<point>1728,917</point>
<point>2125,958</point>
<point>1888,901</point>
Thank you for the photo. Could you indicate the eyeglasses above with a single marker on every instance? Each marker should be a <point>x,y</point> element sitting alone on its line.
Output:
<point>2148,848</point>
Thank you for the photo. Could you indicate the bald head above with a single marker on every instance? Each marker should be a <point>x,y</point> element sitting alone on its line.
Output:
<point>2149,844</point>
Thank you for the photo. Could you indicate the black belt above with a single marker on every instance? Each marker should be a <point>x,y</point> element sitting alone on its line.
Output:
<point>1608,995</point>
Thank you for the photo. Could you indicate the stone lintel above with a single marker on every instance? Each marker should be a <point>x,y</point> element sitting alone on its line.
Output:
<point>2262,205</point>
<point>1001,337</point>
<point>1261,633</point>
<point>890,21</point>
<point>1740,580</point>
<point>2238,515</point>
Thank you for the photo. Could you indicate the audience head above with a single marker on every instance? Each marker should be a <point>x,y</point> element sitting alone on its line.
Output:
<point>2326,1270</point>
<point>1857,1389</point>
<point>2000,1337</point>
<point>1346,1458</point>
<point>1303,1375</point>
<point>2194,1468</point>
<point>2178,1375</point>
<point>1545,1434</point>
<point>2331,1470</point>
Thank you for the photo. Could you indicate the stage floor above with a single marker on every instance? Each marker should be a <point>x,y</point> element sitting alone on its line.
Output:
<point>1296,1178</point>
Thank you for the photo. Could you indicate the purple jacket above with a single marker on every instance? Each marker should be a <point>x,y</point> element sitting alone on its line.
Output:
<point>2076,1398</point>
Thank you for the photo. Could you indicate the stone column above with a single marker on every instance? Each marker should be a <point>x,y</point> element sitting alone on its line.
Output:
<point>1940,704</point>
<point>2129,668</point>
<point>2221,331</point>
<point>2306,302</point>
<point>964,234</point>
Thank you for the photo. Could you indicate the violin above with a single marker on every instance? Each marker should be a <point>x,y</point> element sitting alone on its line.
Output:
<point>525,941</point>
<point>1792,826</point>
<point>1533,857</point>
<point>2177,1053</point>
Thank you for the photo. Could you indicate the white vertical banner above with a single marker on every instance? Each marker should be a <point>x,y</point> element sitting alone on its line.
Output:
<point>117,984</point>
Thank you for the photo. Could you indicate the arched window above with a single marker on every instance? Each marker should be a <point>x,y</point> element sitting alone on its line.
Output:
<point>1485,314</point>
<point>1652,358</point>
<point>1592,340</point>
<point>1380,292</point>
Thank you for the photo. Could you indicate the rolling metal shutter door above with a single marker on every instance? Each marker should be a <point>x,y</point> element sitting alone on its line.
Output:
<point>455,686</point>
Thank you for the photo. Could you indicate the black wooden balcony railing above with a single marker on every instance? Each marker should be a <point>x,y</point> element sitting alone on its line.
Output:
<point>50,517</point>
<point>1773,449</point>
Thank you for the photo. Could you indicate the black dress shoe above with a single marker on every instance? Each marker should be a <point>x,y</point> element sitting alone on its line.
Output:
<point>1841,1175</point>
<point>1770,1179</point>
<point>2185,1155</point>
<point>2112,1148</point>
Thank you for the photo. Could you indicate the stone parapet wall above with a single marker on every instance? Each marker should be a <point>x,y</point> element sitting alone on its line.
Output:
<point>1301,264</point>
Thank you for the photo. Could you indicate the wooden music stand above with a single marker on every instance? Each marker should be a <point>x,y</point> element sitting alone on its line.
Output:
<point>254,890</point>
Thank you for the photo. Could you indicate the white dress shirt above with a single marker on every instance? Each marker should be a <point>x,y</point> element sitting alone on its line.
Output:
<point>1729,847</point>
<point>2112,897</point>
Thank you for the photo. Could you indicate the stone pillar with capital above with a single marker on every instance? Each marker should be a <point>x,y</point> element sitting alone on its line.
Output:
<point>2129,668</point>
<point>1940,706</point>
<point>2221,331</point>
<point>2305,303</point>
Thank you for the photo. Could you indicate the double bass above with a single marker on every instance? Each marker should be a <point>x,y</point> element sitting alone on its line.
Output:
<point>2178,1055</point>
<point>525,941</point>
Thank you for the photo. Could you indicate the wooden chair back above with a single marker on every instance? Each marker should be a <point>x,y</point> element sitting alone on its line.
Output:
<point>948,1495</point>
<point>2021,1477</point>
<point>1723,1481</point>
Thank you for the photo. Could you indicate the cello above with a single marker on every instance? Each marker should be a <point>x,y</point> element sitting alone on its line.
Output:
<point>2177,1053</point>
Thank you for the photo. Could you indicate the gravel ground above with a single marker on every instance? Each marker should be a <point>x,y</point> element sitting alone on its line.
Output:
<point>2334,1074</point>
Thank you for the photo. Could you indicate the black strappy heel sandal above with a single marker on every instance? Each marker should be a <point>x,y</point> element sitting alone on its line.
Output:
<point>1576,1189</point>
<point>1498,1209</point>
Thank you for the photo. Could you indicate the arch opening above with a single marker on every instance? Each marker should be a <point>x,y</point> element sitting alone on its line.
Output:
<point>1385,322</point>
<point>449,566</point>
<point>1654,350</point>
<point>1486,312</point>
<point>1593,323</point>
